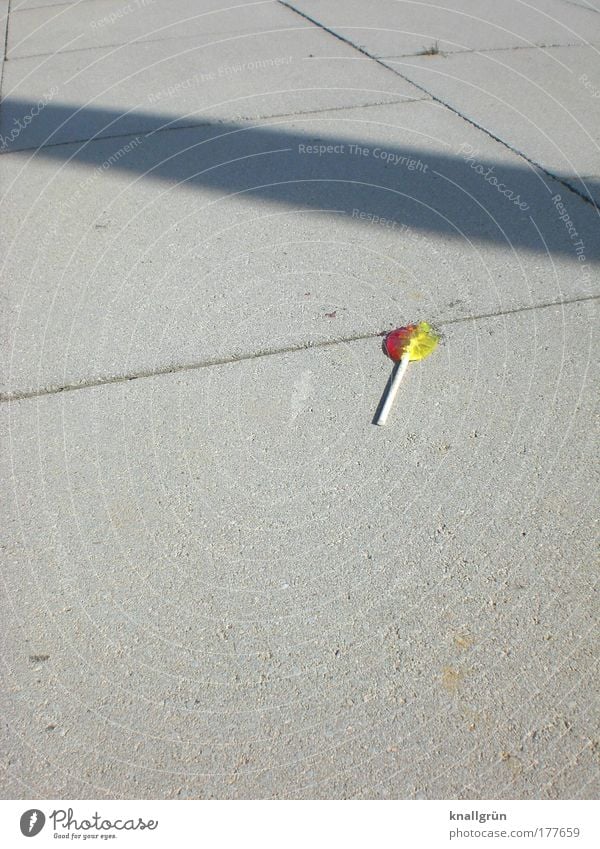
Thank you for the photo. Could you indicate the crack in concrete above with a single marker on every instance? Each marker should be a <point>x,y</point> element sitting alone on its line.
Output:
<point>7,397</point>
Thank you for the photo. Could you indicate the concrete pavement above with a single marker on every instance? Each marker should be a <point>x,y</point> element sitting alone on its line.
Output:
<point>221,581</point>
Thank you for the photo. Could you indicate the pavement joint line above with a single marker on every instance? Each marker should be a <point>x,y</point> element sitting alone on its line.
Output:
<point>114,47</point>
<point>140,40</point>
<point>8,397</point>
<point>484,50</point>
<point>135,41</point>
<point>210,123</point>
<point>4,59</point>
<point>563,182</point>
<point>51,6</point>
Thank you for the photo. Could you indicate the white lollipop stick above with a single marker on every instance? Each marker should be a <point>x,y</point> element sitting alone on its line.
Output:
<point>392,390</point>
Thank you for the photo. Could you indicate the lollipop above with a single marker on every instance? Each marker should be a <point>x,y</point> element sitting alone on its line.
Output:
<point>406,344</point>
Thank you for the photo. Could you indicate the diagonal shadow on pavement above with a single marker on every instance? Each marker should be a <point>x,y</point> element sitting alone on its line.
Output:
<point>455,193</point>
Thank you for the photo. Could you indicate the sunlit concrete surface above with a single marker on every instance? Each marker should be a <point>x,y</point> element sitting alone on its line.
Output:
<point>220,579</point>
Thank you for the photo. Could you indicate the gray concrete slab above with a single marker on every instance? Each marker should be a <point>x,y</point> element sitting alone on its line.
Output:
<point>21,5</point>
<point>143,86</point>
<point>544,103</point>
<point>3,20</point>
<point>126,256</point>
<point>3,26</point>
<point>220,579</point>
<point>227,583</point>
<point>81,26</point>
<point>393,28</point>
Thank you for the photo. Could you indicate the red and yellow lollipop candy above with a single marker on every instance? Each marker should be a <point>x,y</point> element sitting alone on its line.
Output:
<point>404,345</point>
